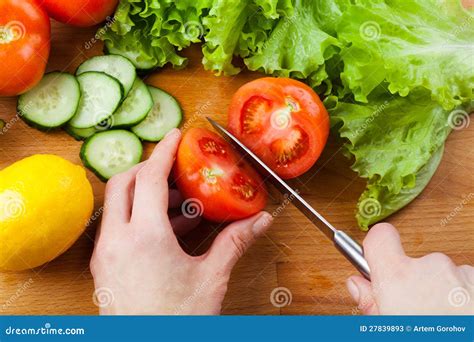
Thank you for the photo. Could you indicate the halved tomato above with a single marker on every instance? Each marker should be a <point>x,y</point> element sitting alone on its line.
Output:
<point>209,172</point>
<point>282,121</point>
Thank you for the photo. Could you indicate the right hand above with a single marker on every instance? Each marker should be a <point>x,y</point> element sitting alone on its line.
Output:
<point>400,285</point>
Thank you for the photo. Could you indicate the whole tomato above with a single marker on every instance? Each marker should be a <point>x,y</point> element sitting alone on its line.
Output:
<point>80,12</point>
<point>24,45</point>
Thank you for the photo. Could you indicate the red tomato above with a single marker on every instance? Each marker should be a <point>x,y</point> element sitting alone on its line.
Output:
<point>80,12</point>
<point>282,121</point>
<point>24,45</point>
<point>215,179</point>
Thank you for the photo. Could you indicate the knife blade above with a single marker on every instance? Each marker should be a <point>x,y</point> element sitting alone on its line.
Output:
<point>349,248</point>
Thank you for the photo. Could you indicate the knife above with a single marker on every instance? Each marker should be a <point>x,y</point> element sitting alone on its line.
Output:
<point>346,245</point>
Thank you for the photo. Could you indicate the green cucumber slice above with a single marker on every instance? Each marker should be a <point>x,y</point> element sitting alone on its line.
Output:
<point>111,152</point>
<point>116,66</point>
<point>52,102</point>
<point>165,115</point>
<point>80,133</point>
<point>101,95</point>
<point>133,56</point>
<point>134,108</point>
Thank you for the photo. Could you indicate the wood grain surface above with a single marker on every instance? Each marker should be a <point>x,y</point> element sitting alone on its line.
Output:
<point>294,254</point>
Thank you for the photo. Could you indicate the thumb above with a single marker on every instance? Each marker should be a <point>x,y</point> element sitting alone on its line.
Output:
<point>232,243</point>
<point>384,252</point>
<point>361,291</point>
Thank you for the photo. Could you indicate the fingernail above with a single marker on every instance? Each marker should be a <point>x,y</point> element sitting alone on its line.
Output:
<point>263,222</point>
<point>174,131</point>
<point>353,289</point>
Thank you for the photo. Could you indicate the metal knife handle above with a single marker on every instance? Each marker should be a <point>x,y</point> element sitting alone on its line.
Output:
<point>352,251</point>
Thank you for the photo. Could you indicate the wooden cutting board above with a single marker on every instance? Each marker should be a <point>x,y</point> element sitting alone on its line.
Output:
<point>294,254</point>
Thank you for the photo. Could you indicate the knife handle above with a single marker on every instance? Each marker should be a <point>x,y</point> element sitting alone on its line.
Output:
<point>352,251</point>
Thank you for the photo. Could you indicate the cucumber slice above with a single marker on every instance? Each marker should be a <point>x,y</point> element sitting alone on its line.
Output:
<point>116,66</point>
<point>101,95</point>
<point>111,152</point>
<point>84,133</point>
<point>52,102</point>
<point>134,108</point>
<point>133,56</point>
<point>80,133</point>
<point>165,115</point>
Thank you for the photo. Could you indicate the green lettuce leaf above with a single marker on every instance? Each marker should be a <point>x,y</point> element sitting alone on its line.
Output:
<point>378,202</point>
<point>224,24</point>
<point>297,46</point>
<point>151,32</point>
<point>396,143</point>
<point>409,44</point>
<point>239,28</point>
<point>144,53</point>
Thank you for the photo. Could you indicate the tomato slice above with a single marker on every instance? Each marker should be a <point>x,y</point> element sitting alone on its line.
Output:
<point>281,120</point>
<point>209,171</point>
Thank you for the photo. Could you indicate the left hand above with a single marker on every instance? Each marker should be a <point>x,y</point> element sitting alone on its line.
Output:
<point>138,265</point>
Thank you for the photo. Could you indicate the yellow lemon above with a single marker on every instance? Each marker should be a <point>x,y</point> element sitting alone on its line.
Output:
<point>45,203</point>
